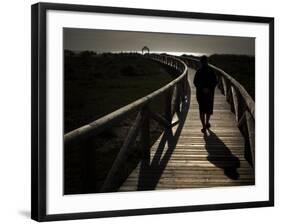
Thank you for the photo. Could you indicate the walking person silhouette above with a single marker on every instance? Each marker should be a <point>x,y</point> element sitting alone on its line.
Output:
<point>205,82</point>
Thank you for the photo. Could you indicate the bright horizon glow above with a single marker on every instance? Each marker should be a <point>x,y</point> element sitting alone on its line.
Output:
<point>175,53</point>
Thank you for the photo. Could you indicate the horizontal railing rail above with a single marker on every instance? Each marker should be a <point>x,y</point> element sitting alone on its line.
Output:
<point>174,93</point>
<point>242,105</point>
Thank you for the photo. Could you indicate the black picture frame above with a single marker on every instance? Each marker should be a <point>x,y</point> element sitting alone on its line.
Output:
<point>39,123</point>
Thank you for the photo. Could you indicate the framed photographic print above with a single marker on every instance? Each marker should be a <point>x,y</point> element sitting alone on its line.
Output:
<point>138,111</point>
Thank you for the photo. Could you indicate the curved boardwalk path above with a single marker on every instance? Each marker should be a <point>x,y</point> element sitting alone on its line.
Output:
<point>183,157</point>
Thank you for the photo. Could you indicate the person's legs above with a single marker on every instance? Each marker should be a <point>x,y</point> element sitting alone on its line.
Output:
<point>202,118</point>
<point>207,120</point>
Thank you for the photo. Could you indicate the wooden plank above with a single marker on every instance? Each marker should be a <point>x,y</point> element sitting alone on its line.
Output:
<point>184,168</point>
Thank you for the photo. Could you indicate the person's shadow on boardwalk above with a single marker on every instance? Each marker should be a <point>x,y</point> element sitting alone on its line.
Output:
<point>220,155</point>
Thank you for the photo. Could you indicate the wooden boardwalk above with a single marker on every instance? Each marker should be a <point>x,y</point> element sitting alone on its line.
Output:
<point>183,157</point>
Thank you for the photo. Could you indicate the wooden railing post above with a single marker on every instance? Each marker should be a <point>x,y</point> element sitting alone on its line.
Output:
<point>227,89</point>
<point>144,134</point>
<point>251,136</point>
<point>246,125</point>
<point>178,99</point>
<point>235,103</point>
<point>168,106</point>
<point>82,174</point>
<point>224,86</point>
<point>241,106</point>
<point>185,83</point>
<point>174,99</point>
<point>230,99</point>
<point>89,165</point>
<point>220,84</point>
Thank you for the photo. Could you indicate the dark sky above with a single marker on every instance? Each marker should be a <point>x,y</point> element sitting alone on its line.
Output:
<point>112,41</point>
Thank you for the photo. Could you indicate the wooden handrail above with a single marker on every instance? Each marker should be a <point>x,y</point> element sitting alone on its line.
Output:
<point>241,103</point>
<point>99,125</point>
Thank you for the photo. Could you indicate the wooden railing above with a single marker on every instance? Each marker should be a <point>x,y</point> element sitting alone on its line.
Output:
<point>174,92</point>
<point>242,105</point>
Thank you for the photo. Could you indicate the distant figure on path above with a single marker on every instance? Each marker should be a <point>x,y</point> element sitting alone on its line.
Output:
<point>205,82</point>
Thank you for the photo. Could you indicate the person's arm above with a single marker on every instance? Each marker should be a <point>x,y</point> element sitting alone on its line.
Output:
<point>196,81</point>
